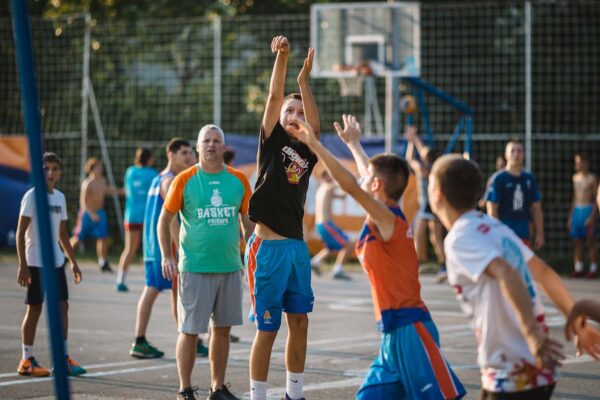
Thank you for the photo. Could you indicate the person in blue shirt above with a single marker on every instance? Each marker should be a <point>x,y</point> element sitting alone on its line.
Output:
<point>514,198</point>
<point>137,181</point>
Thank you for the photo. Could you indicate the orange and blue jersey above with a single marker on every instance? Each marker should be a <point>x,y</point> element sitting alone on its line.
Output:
<point>393,270</point>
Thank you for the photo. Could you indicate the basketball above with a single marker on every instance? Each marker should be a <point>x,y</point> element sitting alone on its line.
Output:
<point>408,104</point>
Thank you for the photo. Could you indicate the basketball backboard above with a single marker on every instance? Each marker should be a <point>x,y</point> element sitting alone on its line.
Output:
<point>386,37</point>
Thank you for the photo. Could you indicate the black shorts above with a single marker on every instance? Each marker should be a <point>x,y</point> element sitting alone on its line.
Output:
<point>35,291</point>
<point>539,393</point>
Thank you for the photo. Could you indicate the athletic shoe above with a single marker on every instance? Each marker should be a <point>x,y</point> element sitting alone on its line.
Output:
<point>577,274</point>
<point>201,349</point>
<point>233,338</point>
<point>441,276</point>
<point>105,267</point>
<point>591,275</point>
<point>188,393</point>
<point>73,369</point>
<point>30,367</point>
<point>221,394</point>
<point>121,287</point>
<point>340,274</point>
<point>315,268</point>
<point>145,350</point>
<point>286,397</point>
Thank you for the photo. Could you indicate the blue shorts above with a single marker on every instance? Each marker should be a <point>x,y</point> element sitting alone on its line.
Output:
<point>154,276</point>
<point>411,365</point>
<point>332,235</point>
<point>578,218</point>
<point>278,280</point>
<point>87,228</point>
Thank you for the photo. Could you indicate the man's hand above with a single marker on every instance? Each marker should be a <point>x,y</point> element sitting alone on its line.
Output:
<point>76,272</point>
<point>304,132</point>
<point>94,216</point>
<point>351,132</point>
<point>307,67</point>
<point>539,241</point>
<point>24,276</point>
<point>588,341</point>
<point>280,43</point>
<point>549,354</point>
<point>169,268</point>
<point>410,133</point>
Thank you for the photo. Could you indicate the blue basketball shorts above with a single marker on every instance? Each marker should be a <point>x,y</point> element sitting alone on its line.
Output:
<point>154,276</point>
<point>578,218</point>
<point>278,280</point>
<point>332,235</point>
<point>87,228</point>
<point>411,365</point>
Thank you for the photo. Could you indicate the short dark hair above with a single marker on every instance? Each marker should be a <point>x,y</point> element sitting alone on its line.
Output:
<point>295,96</point>
<point>459,180</point>
<point>50,157</point>
<point>393,171</point>
<point>228,156</point>
<point>90,164</point>
<point>175,144</point>
<point>142,156</point>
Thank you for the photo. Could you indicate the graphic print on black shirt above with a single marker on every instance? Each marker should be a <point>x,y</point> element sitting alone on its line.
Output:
<point>283,172</point>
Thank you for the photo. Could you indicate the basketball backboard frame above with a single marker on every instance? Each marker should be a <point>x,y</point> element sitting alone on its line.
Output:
<point>393,59</point>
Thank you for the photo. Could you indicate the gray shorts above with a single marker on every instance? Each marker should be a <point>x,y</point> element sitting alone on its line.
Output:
<point>205,296</point>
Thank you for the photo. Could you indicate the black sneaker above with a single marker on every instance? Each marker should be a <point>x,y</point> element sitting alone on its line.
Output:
<point>188,393</point>
<point>105,267</point>
<point>286,397</point>
<point>234,339</point>
<point>221,394</point>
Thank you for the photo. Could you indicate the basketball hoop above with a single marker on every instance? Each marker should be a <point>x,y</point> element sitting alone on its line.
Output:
<point>352,85</point>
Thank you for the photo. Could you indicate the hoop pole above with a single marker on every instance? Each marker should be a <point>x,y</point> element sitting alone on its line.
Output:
<point>455,135</point>
<point>33,127</point>
<point>217,71</point>
<point>84,95</point>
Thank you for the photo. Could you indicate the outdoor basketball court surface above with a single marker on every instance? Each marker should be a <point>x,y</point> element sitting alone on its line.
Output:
<point>343,341</point>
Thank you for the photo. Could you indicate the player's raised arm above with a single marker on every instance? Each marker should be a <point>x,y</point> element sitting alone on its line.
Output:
<point>350,135</point>
<point>378,212</point>
<point>311,113</point>
<point>281,47</point>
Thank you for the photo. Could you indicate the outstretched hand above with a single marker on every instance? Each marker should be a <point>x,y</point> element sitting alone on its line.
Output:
<point>410,133</point>
<point>280,43</point>
<point>303,132</point>
<point>351,132</point>
<point>306,67</point>
<point>588,341</point>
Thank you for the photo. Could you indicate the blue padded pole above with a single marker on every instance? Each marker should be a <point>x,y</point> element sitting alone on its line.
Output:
<point>33,127</point>
<point>425,114</point>
<point>442,95</point>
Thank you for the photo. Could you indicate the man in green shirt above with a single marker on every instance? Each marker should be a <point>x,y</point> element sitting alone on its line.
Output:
<point>210,199</point>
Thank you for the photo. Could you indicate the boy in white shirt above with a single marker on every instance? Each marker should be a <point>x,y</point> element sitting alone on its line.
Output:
<point>30,264</point>
<point>493,275</point>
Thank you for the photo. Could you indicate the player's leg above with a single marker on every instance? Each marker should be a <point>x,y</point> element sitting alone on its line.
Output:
<point>34,300</point>
<point>219,352</point>
<point>420,234</point>
<point>578,247</point>
<point>593,272</point>
<point>437,242</point>
<point>336,239</point>
<point>341,259</point>
<point>295,353</point>
<point>132,243</point>
<point>315,262</point>
<point>185,353</point>
<point>269,267</point>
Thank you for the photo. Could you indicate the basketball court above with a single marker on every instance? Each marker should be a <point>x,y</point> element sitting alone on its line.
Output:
<point>343,340</point>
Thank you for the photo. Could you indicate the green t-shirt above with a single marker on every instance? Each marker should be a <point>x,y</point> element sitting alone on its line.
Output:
<point>208,205</point>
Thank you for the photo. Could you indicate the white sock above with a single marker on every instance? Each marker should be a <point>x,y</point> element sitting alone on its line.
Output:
<point>337,268</point>
<point>121,276</point>
<point>27,351</point>
<point>101,261</point>
<point>294,384</point>
<point>578,266</point>
<point>258,390</point>
<point>593,267</point>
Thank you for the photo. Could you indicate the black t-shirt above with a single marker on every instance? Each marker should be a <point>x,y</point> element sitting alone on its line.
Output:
<point>284,168</point>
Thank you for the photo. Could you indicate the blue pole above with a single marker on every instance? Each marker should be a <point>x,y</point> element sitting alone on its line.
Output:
<point>33,127</point>
<point>455,135</point>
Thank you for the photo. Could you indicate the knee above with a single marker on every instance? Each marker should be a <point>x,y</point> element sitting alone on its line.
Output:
<point>297,323</point>
<point>34,310</point>
<point>221,332</point>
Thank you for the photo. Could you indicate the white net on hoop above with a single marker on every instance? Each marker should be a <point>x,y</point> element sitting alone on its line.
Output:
<point>352,85</point>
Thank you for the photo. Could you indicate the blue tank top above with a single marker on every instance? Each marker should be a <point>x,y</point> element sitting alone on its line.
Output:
<point>137,183</point>
<point>153,208</point>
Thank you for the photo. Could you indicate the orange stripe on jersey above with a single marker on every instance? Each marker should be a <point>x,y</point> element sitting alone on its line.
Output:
<point>247,190</point>
<point>440,369</point>
<point>174,201</point>
<point>252,269</point>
